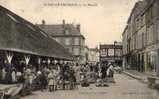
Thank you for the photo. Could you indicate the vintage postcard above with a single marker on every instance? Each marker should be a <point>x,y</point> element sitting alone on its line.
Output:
<point>79,49</point>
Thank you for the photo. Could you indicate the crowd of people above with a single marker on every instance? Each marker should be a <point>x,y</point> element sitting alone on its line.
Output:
<point>55,76</point>
<point>106,70</point>
<point>51,77</point>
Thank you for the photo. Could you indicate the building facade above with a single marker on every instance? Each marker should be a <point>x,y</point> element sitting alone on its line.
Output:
<point>111,53</point>
<point>85,55</point>
<point>69,36</point>
<point>93,56</point>
<point>141,37</point>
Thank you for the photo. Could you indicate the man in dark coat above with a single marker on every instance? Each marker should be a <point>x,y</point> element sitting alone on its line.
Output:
<point>43,81</point>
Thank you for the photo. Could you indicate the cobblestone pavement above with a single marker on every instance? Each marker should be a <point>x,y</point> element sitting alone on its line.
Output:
<point>124,88</point>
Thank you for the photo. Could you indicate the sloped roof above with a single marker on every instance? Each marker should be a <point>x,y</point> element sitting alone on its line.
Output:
<point>17,34</point>
<point>58,29</point>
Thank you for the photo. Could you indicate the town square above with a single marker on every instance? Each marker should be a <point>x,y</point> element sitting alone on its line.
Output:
<point>107,49</point>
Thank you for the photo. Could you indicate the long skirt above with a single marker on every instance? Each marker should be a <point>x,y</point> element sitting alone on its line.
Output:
<point>51,82</point>
<point>78,78</point>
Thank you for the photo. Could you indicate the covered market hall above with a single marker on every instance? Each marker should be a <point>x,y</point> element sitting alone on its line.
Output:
<point>24,44</point>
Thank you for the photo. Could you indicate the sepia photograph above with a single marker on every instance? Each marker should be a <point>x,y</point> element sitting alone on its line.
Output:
<point>79,49</point>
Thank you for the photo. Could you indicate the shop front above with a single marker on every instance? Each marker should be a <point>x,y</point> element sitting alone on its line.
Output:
<point>152,61</point>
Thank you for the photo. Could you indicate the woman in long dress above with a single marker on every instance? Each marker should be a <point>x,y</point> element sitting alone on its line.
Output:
<point>51,81</point>
<point>77,73</point>
<point>3,74</point>
<point>110,71</point>
<point>43,80</point>
<point>14,76</point>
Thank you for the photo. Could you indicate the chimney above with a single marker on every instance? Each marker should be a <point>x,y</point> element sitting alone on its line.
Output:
<point>43,22</point>
<point>78,27</point>
<point>63,25</point>
<point>63,22</point>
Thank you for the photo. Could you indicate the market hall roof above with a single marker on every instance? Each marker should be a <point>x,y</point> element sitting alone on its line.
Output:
<point>17,34</point>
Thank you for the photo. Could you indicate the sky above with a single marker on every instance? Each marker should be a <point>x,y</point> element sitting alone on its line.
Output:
<point>102,22</point>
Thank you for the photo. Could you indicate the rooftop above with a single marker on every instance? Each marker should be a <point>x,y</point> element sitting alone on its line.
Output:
<point>18,34</point>
<point>61,29</point>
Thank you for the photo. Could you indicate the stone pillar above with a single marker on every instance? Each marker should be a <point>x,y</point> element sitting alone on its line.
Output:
<point>48,61</point>
<point>27,59</point>
<point>8,76</point>
<point>124,63</point>
<point>157,63</point>
<point>9,56</point>
<point>39,63</point>
<point>145,62</point>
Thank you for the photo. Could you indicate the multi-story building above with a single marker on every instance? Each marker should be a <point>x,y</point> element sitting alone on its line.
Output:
<point>85,52</point>
<point>111,53</point>
<point>141,37</point>
<point>133,37</point>
<point>93,56</point>
<point>125,48</point>
<point>69,36</point>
